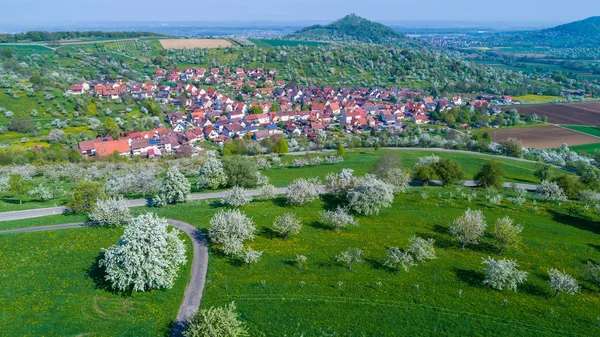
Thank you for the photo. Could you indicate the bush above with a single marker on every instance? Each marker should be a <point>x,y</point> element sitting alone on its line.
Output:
<point>216,322</point>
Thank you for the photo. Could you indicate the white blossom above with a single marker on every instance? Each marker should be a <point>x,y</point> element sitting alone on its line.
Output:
<point>500,274</point>
<point>370,195</point>
<point>111,212</point>
<point>230,229</point>
<point>147,256</point>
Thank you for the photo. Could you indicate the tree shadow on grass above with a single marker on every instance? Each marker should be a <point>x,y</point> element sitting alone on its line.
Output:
<point>216,204</point>
<point>470,277</point>
<point>10,201</point>
<point>97,274</point>
<point>269,233</point>
<point>596,247</point>
<point>533,289</point>
<point>576,221</point>
<point>280,201</point>
<point>440,240</point>
<point>331,202</point>
<point>319,225</point>
<point>378,265</point>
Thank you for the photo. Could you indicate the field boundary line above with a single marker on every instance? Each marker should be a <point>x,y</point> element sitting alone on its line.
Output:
<point>583,133</point>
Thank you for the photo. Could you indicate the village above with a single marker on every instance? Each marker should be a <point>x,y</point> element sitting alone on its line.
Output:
<point>263,107</point>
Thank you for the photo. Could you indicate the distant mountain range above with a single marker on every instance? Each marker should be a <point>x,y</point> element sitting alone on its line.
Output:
<point>578,34</point>
<point>353,28</point>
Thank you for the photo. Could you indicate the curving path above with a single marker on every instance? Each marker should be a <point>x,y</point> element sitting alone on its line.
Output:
<point>195,287</point>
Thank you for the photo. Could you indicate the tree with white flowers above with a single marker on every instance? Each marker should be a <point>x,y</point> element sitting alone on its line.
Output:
<point>302,191</point>
<point>216,322</point>
<point>339,218</point>
<point>147,256</point>
<point>111,212</point>
<point>230,229</point>
<point>399,178</point>
<point>287,224</point>
<point>422,249</point>
<point>351,257</point>
<point>594,272</point>
<point>562,282</point>
<point>175,188</point>
<point>506,234</point>
<point>211,174</point>
<point>469,228</point>
<point>268,192</point>
<point>500,274</point>
<point>397,258</point>
<point>340,184</point>
<point>237,196</point>
<point>551,191</point>
<point>251,256</point>
<point>370,195</point>
<point>145,182</point>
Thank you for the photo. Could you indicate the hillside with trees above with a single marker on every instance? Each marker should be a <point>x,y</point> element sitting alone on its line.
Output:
<point>353,28</point>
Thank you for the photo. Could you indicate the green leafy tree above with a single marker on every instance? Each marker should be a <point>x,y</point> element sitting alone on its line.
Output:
<point>281,146</point>
<point>490,175</point>
<point>110,128</point>
<point>448,171</point>
<point>240,171</point>
<point>229,148</point>
<point>17,186</point>
<point>85,197</point>
<point>424,174</point>
<point>570,185</point>
<point>542,171</point>
<point>255,110</point>
<point>340,150</point>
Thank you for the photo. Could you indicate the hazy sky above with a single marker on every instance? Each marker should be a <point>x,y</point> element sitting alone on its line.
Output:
<point>59,11</point>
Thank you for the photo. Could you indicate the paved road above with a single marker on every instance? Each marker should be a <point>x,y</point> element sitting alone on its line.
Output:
<point>40,212</point>
<point>36,213</point>
<point>194,289</point>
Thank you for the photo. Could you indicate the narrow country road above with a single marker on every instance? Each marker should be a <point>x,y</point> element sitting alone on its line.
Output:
<point>195,287</point>
<point>40,212</point>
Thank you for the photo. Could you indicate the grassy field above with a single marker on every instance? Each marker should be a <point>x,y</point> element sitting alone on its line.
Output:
<point>589,148</point>
<point>363,161</point>
<point>276,298</point>
<point>442,297</point>
<point>590,130</point>
<point>537,98</point>
<point>51,286</point>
